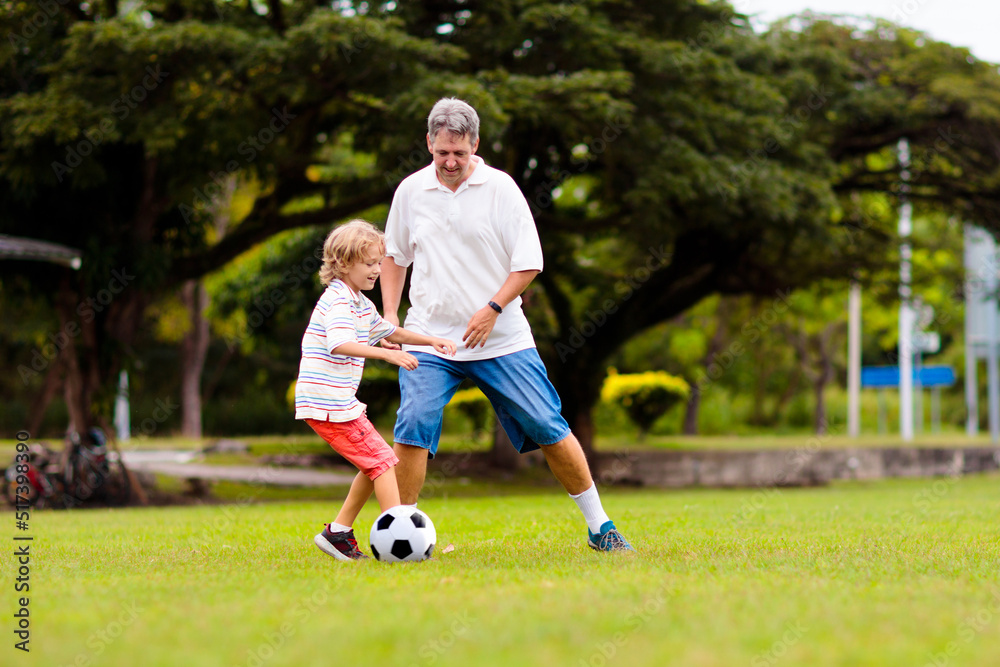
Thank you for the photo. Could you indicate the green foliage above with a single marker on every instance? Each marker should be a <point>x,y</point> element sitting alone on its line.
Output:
<point>645,396</point>
<point>766,161</point>
<point>476,407</point>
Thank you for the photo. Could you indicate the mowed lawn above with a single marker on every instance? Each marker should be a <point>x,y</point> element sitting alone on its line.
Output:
<point>900,572</point>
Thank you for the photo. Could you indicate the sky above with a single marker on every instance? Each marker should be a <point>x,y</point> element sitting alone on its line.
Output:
<point>970,23</point>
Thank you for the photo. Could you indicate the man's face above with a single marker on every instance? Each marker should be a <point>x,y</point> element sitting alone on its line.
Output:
<point>452,157</point>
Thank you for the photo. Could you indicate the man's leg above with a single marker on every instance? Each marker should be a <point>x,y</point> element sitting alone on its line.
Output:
<point>569,465</point>
<point>410,471</point>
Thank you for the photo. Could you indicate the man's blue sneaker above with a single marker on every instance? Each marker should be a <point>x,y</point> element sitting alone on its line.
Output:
<point>609,539</point>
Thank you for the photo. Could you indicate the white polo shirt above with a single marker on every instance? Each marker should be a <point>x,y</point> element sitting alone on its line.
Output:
<point>463,245</point>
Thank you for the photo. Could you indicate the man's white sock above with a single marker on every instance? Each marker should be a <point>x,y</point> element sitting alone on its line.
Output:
<point>339,528</point>
<point>589,503</point>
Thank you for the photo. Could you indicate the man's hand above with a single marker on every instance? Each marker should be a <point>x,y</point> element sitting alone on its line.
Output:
<point>480,327</point>
<point>393,319</point>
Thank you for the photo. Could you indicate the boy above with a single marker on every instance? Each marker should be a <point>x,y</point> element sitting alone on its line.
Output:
<point>342,330</point>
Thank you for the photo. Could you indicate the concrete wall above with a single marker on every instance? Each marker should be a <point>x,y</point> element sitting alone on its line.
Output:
<point>797,467</point>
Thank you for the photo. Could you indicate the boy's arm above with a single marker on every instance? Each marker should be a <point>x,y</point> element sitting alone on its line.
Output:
<point>401,335</point>
<point>398,357</point>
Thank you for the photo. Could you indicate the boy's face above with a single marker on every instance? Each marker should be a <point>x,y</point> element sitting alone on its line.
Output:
<point>362,275</point>
<point>452,157</point>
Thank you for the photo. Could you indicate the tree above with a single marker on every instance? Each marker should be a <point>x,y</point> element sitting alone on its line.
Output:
<point>136,119</point>
<point>700,155</point>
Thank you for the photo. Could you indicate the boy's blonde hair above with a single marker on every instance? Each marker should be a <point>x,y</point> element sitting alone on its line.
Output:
<point>346,245</point>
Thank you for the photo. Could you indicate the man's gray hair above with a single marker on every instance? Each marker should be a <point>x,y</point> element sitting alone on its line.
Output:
<point>454,115</point>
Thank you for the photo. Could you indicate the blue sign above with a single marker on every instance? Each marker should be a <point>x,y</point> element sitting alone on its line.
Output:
<point>888,376</point>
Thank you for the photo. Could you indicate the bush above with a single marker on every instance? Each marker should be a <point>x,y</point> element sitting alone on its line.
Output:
<point>475,406</point>
<point>645,396</point>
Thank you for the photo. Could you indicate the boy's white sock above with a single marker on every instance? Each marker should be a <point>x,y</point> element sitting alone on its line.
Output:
<point>589,503</point>
<point>339,528</point>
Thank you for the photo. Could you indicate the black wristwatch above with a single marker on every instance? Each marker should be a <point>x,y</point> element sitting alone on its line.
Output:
<point>495,306</point>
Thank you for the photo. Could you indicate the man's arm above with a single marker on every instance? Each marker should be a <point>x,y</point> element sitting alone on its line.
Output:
<point>482,323</point>
<point>392,279</point>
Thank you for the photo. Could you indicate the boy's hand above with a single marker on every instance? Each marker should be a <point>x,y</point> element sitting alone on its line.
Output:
<point>445,346</point>
<point>402,359</point>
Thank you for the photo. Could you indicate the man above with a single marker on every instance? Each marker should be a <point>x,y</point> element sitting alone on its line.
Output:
<point>468,232</point>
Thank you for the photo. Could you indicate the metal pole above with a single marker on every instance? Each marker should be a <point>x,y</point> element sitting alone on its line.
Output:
<point>123,425</point>
<point>972,286</point>
<point>918,393</point>
<point>992,371</point>
<point>936,409</point>
<point>905,308</point>
<point>854,361</point>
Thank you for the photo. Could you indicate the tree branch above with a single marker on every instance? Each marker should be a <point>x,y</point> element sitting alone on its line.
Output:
<point>256,230</point>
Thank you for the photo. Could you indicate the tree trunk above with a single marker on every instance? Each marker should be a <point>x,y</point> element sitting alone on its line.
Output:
<point>820,419</point>
<point>503,455</point>
<point>53,383</point>
<point>824,377</point>
<point>194,347</point>
<point>715,345</point>
<point>691,411</point>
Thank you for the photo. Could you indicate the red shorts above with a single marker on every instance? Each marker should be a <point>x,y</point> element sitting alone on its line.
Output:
<point>358,442</point>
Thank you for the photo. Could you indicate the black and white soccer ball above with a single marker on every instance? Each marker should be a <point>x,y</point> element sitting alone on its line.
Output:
<point>402,533</point>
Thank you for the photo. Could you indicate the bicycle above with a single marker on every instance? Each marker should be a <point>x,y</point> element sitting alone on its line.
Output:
<point>87,472</point>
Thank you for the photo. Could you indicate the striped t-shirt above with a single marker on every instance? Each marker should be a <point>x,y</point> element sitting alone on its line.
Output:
<point>327,383</point>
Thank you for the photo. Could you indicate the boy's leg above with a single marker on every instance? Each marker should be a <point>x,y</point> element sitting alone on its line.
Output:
<point>361,491</point>
<point>386,490</point>
<point>410,471</point>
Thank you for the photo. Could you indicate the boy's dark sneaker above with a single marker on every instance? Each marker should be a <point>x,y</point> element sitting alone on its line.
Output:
<point>341,546</point>
<point>609,539</point>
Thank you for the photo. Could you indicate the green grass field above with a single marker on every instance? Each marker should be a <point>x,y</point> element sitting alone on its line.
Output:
<point>901,572</point>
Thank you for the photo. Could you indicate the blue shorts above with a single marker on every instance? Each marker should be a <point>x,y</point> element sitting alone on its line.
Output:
<point>516,384</point>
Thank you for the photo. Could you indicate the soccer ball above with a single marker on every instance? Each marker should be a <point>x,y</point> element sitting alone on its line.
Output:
<point>402,533</point>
